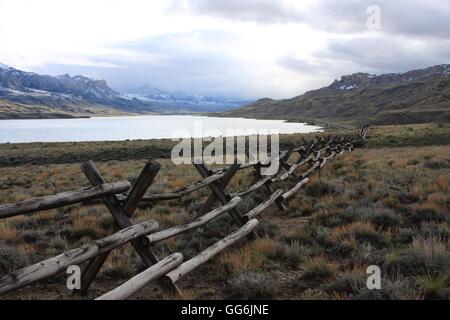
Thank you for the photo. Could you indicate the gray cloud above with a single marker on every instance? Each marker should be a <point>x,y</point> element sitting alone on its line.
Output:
<point>414,34</point>
<point>372,55</point>
<point>168,62</point>
<point>387,54</point>
<point>263,11</point>
<point>401,17</point>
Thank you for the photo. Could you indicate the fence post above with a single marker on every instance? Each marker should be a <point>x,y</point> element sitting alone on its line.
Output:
<point>218,191</point>
<point>122,218</point>
<point>281,206</point>
<point>229,174</point>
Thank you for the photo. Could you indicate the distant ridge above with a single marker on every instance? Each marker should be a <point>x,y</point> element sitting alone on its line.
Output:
<point>416,96</point>
<point>185,100</point>
<point>25,95</point>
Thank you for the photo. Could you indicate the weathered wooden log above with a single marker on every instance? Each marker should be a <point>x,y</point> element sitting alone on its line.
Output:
<point>330,156</point>
<point>63,199</point>
<point>269,187</point>
<point>295,189</point>
<point>212,199</point>
<point>210,252</point>
<point>170,232</point>
<point>185,191</point>
<point>52,266</point>
<point>261,207</point>
<point>292,169</point>
<point>122,219</point>
<point>314,167</point>
<point>219,193</point>
<point>252,188</point>
<point>143,182</point>
<point>144,278</point>
<point>141,185</point>
<point>264,164</point>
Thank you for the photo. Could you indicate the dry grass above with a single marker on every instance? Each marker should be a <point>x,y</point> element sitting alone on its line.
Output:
<point>239,260</point>
<point>265,246</point>
<point>339,241</point>
<point>8,232</point>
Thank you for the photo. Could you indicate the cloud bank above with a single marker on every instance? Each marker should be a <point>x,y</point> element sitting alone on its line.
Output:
<point>248,49</point>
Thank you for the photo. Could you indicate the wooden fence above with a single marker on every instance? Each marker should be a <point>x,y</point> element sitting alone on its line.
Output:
<point>122,199</point>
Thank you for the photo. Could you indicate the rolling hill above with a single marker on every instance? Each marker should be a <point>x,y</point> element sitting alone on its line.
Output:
<point>418,96</point>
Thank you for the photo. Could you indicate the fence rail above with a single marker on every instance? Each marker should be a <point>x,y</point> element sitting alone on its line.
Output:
<point>122,199</point>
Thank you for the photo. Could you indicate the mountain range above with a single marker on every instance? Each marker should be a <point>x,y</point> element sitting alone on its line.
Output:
<point>416,96</point>
<point>30,95</point>
<point>185,100</point>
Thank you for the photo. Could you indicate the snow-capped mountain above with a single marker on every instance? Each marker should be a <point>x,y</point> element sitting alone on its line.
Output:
<point>68,94</point>
<point>185,100</point>
<point>364,80</point>
<point>17,81</point>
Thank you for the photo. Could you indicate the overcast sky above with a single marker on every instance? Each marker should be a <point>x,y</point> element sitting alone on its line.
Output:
<point>241,48</point>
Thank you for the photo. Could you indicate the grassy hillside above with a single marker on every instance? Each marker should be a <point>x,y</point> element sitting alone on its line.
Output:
<point>409,103</point>
<point>12,110</point>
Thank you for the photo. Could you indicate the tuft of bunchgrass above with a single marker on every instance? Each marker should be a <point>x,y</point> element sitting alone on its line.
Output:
<point>253,285</point>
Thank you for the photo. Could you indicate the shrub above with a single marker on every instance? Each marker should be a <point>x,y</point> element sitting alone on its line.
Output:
<point>319,269</point>
<point>11,259</point>
<point>344,248</point>
<point>322,235</point>
<point>426,214</point>
<point>31,236</point>
<point>320,188</point>
<point>58,243</point>
<point>405,235</point>
<point>345,283</point>
<point>430,230</point>
<point>361,232</point>
<point>374,213</point>
<point>252,285</point>
<point>367,254</point>
<point>385,218</point>
<point>423,256</point>
<point>293,252</point>
<point>434,286</point>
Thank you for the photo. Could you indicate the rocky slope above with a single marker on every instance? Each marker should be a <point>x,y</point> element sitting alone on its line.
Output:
<point>416,96</point>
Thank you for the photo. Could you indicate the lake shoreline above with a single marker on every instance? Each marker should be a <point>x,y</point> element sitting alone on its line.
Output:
<point>45,153</point>
<point>134,127</point>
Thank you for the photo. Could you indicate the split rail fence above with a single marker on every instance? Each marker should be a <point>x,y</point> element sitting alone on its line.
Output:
<point>122,199</point>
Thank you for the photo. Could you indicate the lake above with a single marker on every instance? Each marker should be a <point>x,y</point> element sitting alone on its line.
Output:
<point>137,127</point>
